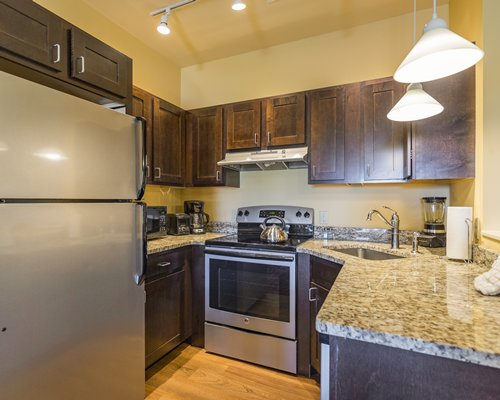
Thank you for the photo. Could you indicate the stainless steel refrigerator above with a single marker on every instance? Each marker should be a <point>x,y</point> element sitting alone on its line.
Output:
<point>72,247</point>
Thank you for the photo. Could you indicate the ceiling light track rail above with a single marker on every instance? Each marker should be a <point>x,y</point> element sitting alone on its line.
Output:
<point>171,7</point>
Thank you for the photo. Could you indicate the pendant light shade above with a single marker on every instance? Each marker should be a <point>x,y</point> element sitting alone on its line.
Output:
<point>416,104</point>
<point>438,53</point>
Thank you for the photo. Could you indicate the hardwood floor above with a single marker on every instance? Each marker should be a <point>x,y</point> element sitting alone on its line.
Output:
<point>190,373</point>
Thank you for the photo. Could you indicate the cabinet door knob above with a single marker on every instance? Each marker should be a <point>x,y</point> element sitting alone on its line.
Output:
<point>314,170</point>
<point>157,173</point>
<point>217,176</point>
<point>256,139</point>
<point>82,64</point>
<point>268,137</point>
<point>368,170</point>
<point>57,46</point>
<point>311,290</point>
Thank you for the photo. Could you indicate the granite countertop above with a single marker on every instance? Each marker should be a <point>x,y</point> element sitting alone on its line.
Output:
<point>423,303</point>
<point>173,242</point>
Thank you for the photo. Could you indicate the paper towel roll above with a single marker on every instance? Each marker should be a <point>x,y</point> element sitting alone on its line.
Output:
<point>459,233</point>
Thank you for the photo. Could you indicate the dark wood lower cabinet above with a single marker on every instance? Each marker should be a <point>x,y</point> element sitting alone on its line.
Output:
<point>361,370</point>
<point>323,275</point>
<point>164,308</point>
<point>168,302</point>
<point>319,294</point>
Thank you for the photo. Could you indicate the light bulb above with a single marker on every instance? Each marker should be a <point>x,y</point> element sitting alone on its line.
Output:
<point>238,5</point>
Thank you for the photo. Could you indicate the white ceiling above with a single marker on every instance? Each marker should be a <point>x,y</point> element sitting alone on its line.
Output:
<point>209,29</point>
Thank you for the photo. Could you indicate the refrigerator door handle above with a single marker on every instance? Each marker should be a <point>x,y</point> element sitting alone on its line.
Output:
<point>143,162</point>
<point>142,244</point>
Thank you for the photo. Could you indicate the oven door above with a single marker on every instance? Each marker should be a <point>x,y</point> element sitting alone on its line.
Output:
<point>252,290</point>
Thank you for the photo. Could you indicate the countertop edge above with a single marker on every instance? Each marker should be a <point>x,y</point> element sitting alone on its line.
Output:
<point>410,344</point>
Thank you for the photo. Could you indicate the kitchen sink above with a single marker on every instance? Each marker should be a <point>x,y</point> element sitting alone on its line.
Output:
<point>367,254</point>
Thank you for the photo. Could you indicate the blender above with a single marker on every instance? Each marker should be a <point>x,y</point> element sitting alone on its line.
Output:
<point>434,222</point>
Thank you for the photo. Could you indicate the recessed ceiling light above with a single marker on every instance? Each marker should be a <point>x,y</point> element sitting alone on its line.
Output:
<point>238,5</point>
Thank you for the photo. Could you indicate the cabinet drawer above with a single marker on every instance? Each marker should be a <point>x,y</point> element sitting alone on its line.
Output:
<point>98,64</point>
<point>166,263</point>
<point>324,272</point>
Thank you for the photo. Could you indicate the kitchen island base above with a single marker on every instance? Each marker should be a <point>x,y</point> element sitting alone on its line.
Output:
<point>361,370</point>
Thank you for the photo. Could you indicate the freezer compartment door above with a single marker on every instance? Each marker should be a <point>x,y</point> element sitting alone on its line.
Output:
<point>57,146</point>
<point>71,311</point>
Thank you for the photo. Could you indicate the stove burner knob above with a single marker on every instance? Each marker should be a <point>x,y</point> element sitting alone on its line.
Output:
<point>247,213</point>
<point>306,215</point>
<point>299,214</point>
<point>240,213</point>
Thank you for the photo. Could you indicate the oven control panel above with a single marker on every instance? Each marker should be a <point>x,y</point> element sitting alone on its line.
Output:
<point>271,213</point>
<point>291,214</point>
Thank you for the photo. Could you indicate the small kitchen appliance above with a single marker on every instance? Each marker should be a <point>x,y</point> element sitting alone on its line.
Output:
<point>251,288</point>
<point>434,222</point>
<point>178,224</point>
<point>156,218</point>
<point>199,218</point>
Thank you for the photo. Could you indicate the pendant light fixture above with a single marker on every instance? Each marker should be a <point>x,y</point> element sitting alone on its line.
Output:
<point>416,104</point>
<point>238,5</point>
<point>438,53</point>
<point>163,27</point>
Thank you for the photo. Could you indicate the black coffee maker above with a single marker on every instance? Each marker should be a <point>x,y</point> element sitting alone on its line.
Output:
<point>198,218</point>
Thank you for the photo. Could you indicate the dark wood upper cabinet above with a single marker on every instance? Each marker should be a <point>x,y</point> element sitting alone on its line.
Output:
<point>168,143</point>
<point>37,45</point>
<point>34,34</point>
<point>444,145</point>
<point>327,135</point>
<point>98,64</point>
<point>284,120</point>
<point>142,106</point>
<point>386,143</point>
<point>243,125</point>
<point>206,134</point>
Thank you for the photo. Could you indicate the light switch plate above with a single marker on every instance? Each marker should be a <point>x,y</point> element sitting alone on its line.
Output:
<point>323,217</point>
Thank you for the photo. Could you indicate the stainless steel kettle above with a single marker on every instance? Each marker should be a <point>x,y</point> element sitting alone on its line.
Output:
<point>273,233</point>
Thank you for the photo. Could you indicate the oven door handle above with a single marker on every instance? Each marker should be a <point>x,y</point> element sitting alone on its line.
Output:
<point>256,256</point>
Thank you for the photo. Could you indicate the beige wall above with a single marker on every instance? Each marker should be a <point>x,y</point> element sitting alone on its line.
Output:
<point>365,52</point>
<point>491,134</point>
<point>152,71</point>
<point>368,51</point>
<point>346,205</point>
<point>477,20</point>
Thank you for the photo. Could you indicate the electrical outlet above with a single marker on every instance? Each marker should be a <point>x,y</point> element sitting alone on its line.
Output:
<point>323,217</point>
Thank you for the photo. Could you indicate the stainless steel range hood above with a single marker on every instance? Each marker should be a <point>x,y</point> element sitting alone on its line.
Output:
<point>291,158</point>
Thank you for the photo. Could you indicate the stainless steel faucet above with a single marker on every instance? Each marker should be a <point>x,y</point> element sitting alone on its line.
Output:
<point>394,224</point>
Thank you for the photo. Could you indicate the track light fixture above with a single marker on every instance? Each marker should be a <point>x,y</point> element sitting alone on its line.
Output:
<point>163,27</point>
<point>238,5</point>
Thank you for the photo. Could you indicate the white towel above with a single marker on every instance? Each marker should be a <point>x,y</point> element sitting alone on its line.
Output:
<point>489,282</point>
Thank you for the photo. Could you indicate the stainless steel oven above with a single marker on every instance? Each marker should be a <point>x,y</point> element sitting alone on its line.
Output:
<point>250,296</point>
<point>250,306</point>
<point>251,290</point>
